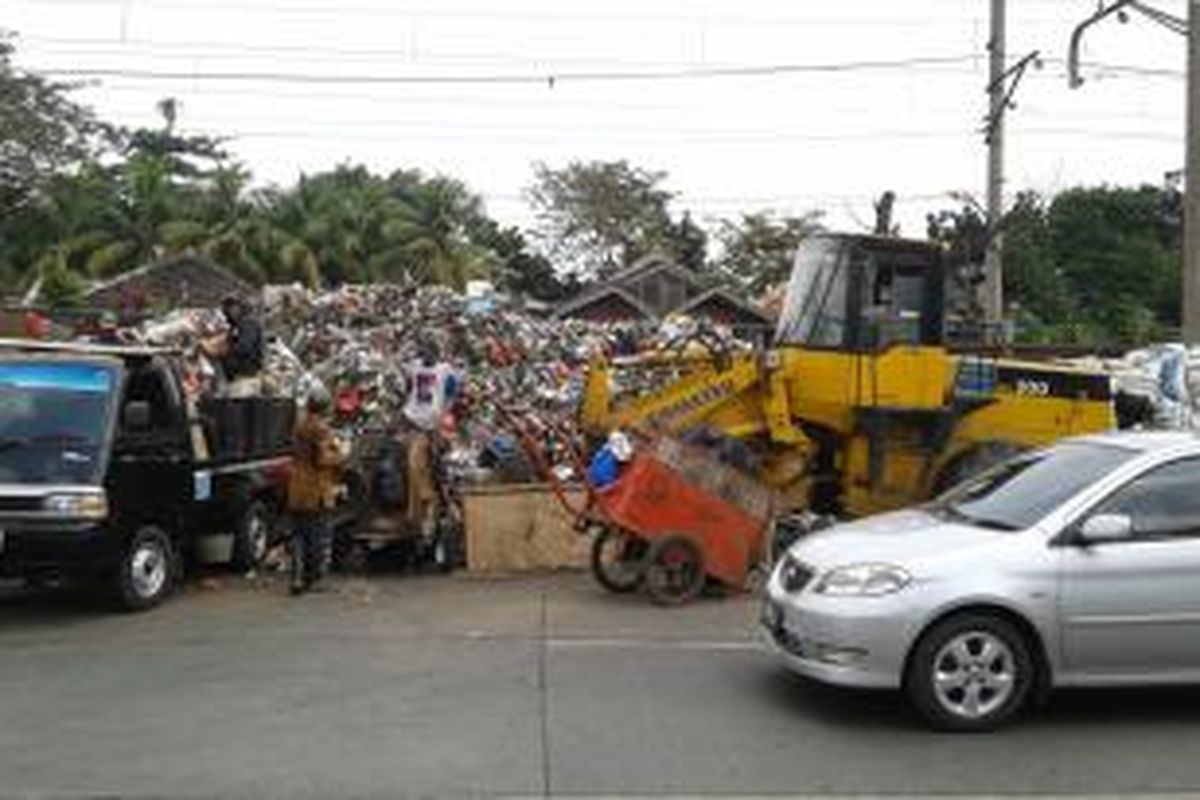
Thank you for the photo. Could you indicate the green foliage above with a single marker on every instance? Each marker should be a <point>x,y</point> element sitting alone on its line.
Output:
<point>60,287</point>
<point>598,217</point>
<point>42,131</point>
<point>757,248</point>
<point>1092,264</point>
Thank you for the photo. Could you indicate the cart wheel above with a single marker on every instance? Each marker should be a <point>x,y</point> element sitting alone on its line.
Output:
<point>674,570</point>
<point>618,560</point>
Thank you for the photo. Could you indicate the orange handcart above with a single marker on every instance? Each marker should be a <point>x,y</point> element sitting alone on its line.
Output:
<point>675,519</point>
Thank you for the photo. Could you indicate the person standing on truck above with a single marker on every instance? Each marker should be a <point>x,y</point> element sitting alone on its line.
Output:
<point>317,458</point>
<point>244,352</point>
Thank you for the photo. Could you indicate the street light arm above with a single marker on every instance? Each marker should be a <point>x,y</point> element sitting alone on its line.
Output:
<point>1163,18</point>
<point>1073,77</point>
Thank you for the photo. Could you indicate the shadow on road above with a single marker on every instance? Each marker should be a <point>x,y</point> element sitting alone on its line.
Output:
<point>846,708</point>
<point>25,608</point>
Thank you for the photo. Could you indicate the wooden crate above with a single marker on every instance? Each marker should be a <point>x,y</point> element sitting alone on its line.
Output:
<point>517,528</point>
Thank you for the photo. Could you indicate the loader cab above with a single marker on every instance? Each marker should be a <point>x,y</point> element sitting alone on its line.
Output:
<point>863,293</point>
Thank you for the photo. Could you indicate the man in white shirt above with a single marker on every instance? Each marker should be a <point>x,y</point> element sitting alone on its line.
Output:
<point>432,387</point>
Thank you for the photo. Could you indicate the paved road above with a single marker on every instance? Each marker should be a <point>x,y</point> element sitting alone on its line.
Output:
<point>459,686</point>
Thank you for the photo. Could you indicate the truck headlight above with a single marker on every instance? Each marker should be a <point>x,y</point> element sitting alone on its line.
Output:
<point>863,580</point>
<point>80,505</point>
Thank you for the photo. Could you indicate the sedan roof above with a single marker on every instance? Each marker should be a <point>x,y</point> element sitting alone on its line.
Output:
<point>1144,441</point>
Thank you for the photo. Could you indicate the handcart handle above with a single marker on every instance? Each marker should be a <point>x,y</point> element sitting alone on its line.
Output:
<point>522,423</point>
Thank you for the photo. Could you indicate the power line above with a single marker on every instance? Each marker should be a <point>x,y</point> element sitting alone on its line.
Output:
<point>490,12</point>
<point>455,133</point>
<point>549,78</point>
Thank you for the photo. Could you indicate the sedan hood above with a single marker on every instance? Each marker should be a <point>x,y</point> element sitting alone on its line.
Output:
<point>901,537</point>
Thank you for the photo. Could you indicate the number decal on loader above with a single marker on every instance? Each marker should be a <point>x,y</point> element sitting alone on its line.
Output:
<point>1030,388</point>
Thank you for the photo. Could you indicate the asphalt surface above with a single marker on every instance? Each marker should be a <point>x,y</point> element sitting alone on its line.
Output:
<point>456,686</point>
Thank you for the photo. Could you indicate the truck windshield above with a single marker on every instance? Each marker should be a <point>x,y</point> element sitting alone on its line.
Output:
<point>814,310</point>
<point>53,419</point>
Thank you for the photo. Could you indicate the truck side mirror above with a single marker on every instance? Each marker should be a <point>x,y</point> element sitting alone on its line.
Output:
<point>135,417</point>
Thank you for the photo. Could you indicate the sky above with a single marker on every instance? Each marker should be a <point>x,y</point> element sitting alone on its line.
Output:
<point>722,96</point>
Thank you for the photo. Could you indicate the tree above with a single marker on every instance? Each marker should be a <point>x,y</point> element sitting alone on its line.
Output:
<point>598,217</point>
<point>1092,264</point>
<point>41,131</point>
<point>162,194</point>
<point>689,244</point>
<point>758,248</point>
<point>519,270</point>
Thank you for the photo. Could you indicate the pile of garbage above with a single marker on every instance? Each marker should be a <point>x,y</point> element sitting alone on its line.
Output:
<point>360,342</point>
<point>1156,387</point>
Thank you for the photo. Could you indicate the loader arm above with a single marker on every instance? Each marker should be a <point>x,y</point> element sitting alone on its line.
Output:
<point>737,397</point>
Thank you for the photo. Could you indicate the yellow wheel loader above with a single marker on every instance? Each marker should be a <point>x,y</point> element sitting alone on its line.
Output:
<point>860,405</point>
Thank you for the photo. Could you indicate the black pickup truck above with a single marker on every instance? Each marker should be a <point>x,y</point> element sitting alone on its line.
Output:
<point>106,473</point>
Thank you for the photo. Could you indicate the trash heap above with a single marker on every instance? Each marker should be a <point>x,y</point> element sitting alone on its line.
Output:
<point>358,342</point>
<point>1156,387</point>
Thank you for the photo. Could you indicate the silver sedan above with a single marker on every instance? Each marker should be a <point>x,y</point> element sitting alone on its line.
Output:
<point>1077,565</point>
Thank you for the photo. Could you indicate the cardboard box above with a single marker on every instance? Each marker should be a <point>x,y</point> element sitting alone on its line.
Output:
<point>522,527</point>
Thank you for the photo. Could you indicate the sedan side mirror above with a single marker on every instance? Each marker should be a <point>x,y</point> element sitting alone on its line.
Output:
<point>1106,528</point>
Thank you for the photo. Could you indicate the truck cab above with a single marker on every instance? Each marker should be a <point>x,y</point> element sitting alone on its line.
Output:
<point>108,472</point>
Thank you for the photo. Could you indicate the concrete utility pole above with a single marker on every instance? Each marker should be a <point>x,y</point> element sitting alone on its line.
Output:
<point>1191,185</point>
<point>993,277</point>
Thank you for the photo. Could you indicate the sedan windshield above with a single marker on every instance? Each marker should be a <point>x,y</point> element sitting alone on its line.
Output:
<point>1020,492</point>
<point>53,419</point>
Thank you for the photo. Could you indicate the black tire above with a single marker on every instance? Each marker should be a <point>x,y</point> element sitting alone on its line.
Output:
<point>946,703</point>
<point>252,537</point>
<point>618,560</point>
<point>674,570</point>
<point>147,572</point>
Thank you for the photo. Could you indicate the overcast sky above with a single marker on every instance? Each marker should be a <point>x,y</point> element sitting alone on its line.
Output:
<point>779,138</point>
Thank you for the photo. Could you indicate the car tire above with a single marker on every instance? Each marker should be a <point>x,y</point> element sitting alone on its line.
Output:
<point>622,571</point>
<point>147,571</point>
<point>675,570</point>
<point>252,537</point>
<point>970,673</point>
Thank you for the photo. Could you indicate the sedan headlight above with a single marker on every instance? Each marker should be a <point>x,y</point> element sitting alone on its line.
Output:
<point>79,505</point>
<point>863,580</point>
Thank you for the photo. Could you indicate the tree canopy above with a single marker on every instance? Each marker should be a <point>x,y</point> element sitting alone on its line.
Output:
<point>597,217</point>
<point>757,248</point>
<point>1087,265</point>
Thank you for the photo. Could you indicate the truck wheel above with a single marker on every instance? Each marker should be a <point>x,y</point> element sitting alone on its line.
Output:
<point>147,570</point>
<point>971,673</point>
<point>252,537</point>
<point>618,560</point>
<point>674,570</point>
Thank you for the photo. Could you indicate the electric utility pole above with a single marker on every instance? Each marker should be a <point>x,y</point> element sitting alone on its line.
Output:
<point>993,278</point>
<point>1191,185</point>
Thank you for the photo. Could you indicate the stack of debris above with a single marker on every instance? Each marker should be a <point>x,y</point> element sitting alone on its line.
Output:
<point>359,342</point>
<point>1156,386</point>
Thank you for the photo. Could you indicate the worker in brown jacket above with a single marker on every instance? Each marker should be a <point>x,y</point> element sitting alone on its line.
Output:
<point>312,492</point>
